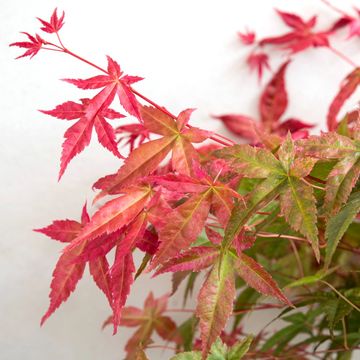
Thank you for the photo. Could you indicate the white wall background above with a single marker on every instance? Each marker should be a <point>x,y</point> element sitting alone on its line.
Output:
<point>190,56</point>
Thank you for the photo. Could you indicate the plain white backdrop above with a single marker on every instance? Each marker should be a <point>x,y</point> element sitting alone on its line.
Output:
<point>190,56</point>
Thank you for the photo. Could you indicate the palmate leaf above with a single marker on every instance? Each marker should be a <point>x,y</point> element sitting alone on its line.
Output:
<point>344,175</point>
<point>185,222</point>
<point>283,176</point>
<point>215,302</point>
<point>338,225</point>
<point>183,226</point>
<point>148,156</point>
<point>250,161</point>
<point>148,320</point>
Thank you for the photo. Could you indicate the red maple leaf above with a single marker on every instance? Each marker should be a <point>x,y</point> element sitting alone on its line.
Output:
<point>272,106</point>
<point>78,136</point>
<point>113,83</point>
<point>69,270</point>
<point>302,35</point>
<point>247,38</point>
<point>55,23</point>
<point>258,61</point>
<point>33,46</point>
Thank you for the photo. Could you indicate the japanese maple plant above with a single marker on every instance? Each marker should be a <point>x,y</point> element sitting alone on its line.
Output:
<point>268,224</point>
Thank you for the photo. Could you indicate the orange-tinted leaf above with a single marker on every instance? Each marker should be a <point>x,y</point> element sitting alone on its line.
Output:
<point>141,162</point>
<point>184,225</point>
<point>158,122</point>
<point>258,278</point>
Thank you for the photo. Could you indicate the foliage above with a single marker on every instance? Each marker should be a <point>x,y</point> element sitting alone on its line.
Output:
<point>272,224</point>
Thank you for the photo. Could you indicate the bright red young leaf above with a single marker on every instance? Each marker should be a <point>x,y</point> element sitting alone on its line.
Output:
<point>247,38</point>
<point>258,61</point>
<point>302,35</point>
<point>55,23</point>
<point>78,136</point>
<point>114,83</point>
<point>33,46</point>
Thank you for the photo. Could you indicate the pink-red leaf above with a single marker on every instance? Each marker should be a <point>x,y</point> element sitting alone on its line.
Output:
<point>121,281</point>
<point>247,38</point>
<point>194,259</point>
<point>106,135</point>
<point>62,230</point>
<point>65,278</point>
<point>77,137</point>
<point>55,23</point>
<point>33,46</point>
<point>184,225</point>
<point>115,214</point>
<point>99,269</point>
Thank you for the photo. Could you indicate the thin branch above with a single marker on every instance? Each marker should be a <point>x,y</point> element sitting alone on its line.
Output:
<point>341,295</point>
<point>342,56</point>
<point>297,257</point>
<point>333,7</point>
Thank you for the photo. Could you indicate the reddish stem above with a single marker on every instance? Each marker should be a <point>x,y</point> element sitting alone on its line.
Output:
<point>336,9</point>
<point>342,56</point>
<point>216,137</point>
